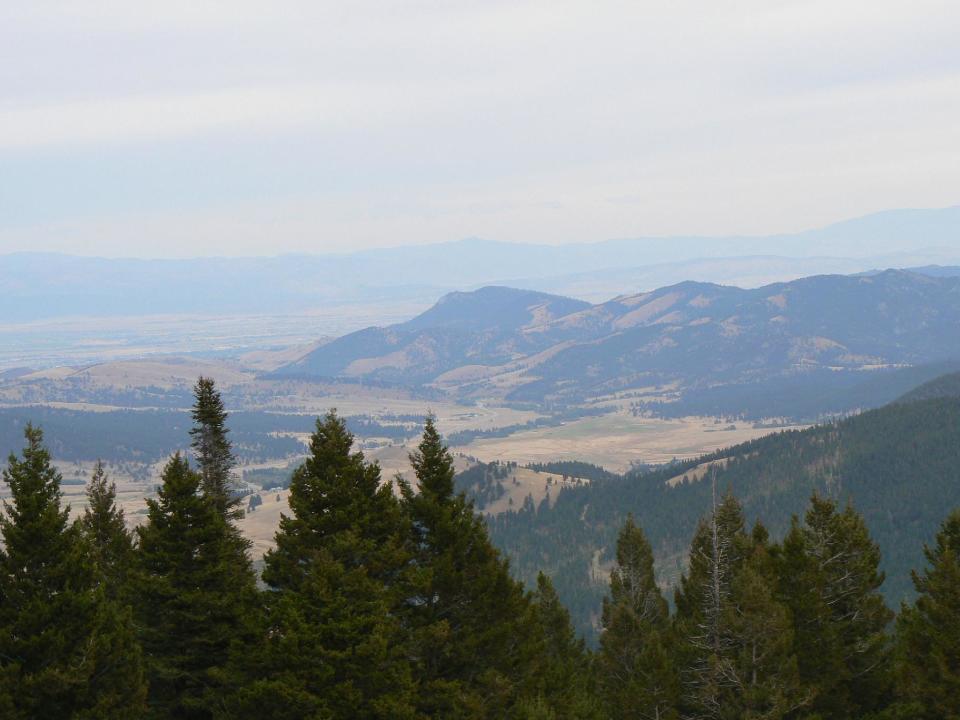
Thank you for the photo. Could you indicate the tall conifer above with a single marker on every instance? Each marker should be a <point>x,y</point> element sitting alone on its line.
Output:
<point>65,651</point>
<point>105,529</point>
<point>635,668</point>
<point>830,580</point>
<point>706,647</point>
<point>193,600</point>
<point>566,684</point>
<point>928,633</point>
<point>765,681</point>
<point>212,449</point>
<point>333,645</point>
<point>470,616</point>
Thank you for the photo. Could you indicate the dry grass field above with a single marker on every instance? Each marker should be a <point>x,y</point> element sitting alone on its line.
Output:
<point>523,482</point>
<point>616,441</point>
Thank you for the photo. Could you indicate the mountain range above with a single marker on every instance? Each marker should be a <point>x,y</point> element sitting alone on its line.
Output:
<point>43,285</point>
<point>524,346</point>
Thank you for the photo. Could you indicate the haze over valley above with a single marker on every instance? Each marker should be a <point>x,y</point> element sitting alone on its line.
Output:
<point>480,361</point>
<point>512,374</point>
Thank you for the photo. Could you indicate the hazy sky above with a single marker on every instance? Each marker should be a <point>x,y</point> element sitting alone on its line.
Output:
<point>188,128</point>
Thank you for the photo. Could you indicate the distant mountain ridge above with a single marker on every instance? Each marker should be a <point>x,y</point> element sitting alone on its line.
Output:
<point>489,325</point>
<point>523,346</point>
<point>45,285</point>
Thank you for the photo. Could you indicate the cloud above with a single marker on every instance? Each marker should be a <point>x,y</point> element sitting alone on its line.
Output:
<point>322,125</point>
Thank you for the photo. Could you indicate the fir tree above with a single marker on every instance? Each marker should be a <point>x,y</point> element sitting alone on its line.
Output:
<point>566,684</point>
<point>928,633</point>
<point>65,651</point>
<point>104,527</point>
<point>829,578</point>
<point>193,599</point>
<point>333,645</point>
<point>706,647</point>
<point>765,679</point>
<point>635,668</point>
<point>212,448</point>
<point>469,615</point>
<point>332,649</point>
<point>334,491</point>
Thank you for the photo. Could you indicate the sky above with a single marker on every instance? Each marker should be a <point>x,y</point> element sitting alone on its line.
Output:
<point>188,128</point>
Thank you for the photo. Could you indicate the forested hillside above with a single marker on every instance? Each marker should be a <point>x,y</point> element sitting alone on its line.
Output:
<point>386,602</point>
<point>943,386</point>
<point>898,465</point>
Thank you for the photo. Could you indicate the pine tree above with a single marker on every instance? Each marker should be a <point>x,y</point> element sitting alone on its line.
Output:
<point>193,600</point>
<point>928,633</point>
<point>829,579</point>
<point>65,651</point>
<point>469,615</point>
<point>566,684</point>
<point>333,492</point>
<point>706,646</point>
<point>635,668</point>
<point>105,529</point>
<point>333,645</point>
<point>212,448</point>
<point>766,681</point>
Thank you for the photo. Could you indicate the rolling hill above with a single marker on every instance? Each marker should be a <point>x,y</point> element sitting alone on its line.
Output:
<point>487,326</point>
<point>694,337</point>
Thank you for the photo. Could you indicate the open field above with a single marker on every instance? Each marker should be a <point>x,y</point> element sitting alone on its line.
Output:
<point>617,441</point>
<point>374,402</point>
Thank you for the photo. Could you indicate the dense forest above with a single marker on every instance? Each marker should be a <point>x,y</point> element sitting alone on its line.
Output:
<point>150,435</point>
<point>803,397</point>
<point>899,466</point>
<point>392,602</point>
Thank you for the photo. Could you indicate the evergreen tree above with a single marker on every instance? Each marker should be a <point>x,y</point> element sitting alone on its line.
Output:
<point>212,448</point>
<point>194,595</point>
<point>566,684</point>
<point>829,578</point>
<point>469,615</point>
<point>636,671</point>
<point>707,647</point>
<point>333,492</point>
<point>764,674</point>
<point>65,651</point>
<point>104,527</point>
<point>928,663</point>
<point>333,646</point>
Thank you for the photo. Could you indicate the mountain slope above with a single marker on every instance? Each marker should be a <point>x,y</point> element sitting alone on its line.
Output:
<point>946,386</point>
<point>899,465</point>
<point>529,347</point>
<point>487,326</point>
<point>702,335</point>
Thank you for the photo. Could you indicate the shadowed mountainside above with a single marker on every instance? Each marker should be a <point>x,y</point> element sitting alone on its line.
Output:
<point>529,347</point>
